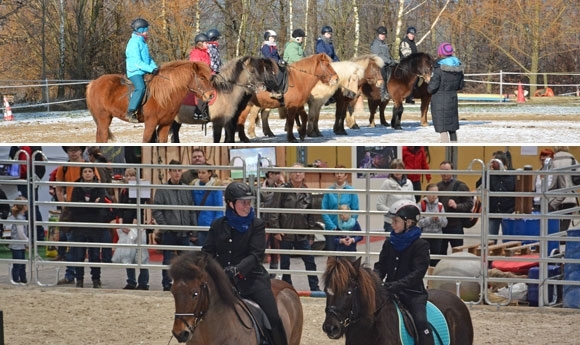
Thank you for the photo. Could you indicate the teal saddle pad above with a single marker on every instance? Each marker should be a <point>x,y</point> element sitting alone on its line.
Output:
<point>437,321</point>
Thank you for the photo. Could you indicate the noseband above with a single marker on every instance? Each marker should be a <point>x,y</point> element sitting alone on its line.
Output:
<point>199,90</point>
<point>196,314</point>
<point>351,316</point>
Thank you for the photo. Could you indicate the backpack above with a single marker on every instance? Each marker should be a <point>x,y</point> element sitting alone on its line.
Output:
<point>575,178</point>
<point>470,222</point>
<point>424,206</point>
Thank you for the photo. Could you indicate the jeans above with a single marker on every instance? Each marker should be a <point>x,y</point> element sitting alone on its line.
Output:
<point>70,273</point>
<point>171,238</point>
<point>19,270</point>
<point>309,263</point>
<point>454,242</point>
<point>79,253</point>
<point>138,92</point>
<point>107,253</point>
<point>434,248</point>
<point>143,277</point>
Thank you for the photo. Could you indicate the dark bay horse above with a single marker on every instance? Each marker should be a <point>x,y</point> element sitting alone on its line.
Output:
<point>237,81</point>
<point>361,310</point>
<point>403,78</point>
<point>302,77</point>
<point>108,97</point>
<point>208,312</point>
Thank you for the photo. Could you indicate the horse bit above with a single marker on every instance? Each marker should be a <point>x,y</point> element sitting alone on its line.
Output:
<point>350,317</point>
<point>197,317</point>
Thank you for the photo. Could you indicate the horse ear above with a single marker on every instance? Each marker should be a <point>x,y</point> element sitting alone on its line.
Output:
<point>356,264</point>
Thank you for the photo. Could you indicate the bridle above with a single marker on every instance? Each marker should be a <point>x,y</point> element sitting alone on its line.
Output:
<point>251,85</point>
<point>196,314</point>
<point>352,316</point>
<point>326,74</point>
<point>199,90</point>
<point>375,78</point>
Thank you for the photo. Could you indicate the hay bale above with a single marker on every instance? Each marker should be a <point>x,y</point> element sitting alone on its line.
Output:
<point>470,267</point>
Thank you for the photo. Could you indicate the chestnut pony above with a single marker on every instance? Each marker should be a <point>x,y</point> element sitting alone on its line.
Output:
<point>207,311</point>
<point>361,310</point>
<point>108,97</point>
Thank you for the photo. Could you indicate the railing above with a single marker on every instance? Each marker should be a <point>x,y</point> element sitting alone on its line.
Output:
<point>369,218</point>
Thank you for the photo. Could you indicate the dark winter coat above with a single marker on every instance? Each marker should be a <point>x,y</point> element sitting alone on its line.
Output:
<point>325,46</point>
<point>83,195</point>
<point>501,183</point>
<point>404,47</point>
<point>447,79</point>
<point>297,200</point>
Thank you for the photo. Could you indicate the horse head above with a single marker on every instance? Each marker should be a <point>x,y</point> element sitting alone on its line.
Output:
<point>350,295</point>
<point>425,65</point>
<point>372,65</point>
<point>324,69</point>
<point>198,282</point>
<point>200,83</point>
<point>260,72</point>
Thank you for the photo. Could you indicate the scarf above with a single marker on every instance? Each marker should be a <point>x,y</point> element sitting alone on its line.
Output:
<point>240,224</point>
<point>403,240</point>
<point>400,182</point>
<point>348,225</point>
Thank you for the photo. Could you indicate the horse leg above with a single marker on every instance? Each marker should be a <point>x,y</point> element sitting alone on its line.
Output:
<point>290,126</point>
<point>359,110</point>
<point>397,114</point>
<point>241,120</point>
<point>304,118</point>
<point>382,107</point>
<point>339,115</point>
<point>149,131</point>
<point>424,109</point>
<point>312,129</point>
<point>103,129</point>
<point>230,129</point>
<point>252,121</point>
<point>163,133</point>
<point>175,127</point>
<point>217,132</point>
<point>373,105</point>
<point>266,124</point>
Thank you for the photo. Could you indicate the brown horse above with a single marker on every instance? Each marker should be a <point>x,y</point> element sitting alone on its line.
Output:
<point>208,312</point>
<point>359,308</point>
<point>237,81</point>
<point>400,85</point>
<point>108,97</point>
<point>302,77</point>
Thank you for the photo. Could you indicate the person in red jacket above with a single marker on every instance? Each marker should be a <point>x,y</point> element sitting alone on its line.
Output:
<point>415,158</point>
<point>200,53</point>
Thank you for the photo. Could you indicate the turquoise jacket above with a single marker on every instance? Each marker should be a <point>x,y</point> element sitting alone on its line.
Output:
<point>138,61</point>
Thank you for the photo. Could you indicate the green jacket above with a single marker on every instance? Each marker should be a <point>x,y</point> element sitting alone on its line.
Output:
<point>293,52</point>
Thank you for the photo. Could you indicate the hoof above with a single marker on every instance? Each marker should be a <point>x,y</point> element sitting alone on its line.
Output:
<point>398,128</point>
<point>424,124</point>
<point>355,126</point>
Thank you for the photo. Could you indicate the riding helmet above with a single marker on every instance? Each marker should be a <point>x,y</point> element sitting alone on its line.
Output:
<point>139,23</point>
<point>213,35</point>
<point>298,33</point>
<point>405,209</point>
<point>411,30</point>
<point>269,33</point>
<point>238,191</point>
<point>326,29</point>
<point>201,38</point>
<point>382,30</point>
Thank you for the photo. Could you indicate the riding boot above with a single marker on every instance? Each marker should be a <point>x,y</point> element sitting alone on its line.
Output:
<point>425,337</point>
<point>131,116</point>
<point>386,76</point>
<point>410,99</point>
<point>278,334</point>
<point>201,112</point>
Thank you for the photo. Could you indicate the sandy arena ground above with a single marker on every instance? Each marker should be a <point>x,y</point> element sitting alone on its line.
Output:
<point>34,315</point>
<point>510,123</point>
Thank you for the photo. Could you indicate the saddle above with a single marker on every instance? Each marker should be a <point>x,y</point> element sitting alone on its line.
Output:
<point>127,82</point>
<point>436,319</point>
<point>259,320</point>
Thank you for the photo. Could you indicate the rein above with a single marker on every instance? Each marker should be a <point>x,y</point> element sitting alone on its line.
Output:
<point>197,315</point>
<point>353,314</point>
<point>326,73</point>
<point>252,86</point>
<point>199,90</point>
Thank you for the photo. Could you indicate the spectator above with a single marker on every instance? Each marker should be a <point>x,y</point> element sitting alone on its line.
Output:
<point>5,210</point>
<point>299,221</point>
<point>406,48</point>
<point>197,158</point>
<point>452,204</point>
<point>347,222</point>
<point>273,179</point>
<point>294,50</point>
<point>562,159</point>
<point>39,171</point>
<point>380,48</point>
<point>163,217</point>
<point>403,262</point>
<point>415,158</point>
<point>333,201</point>
<point>499,183</point>
<point>446,80</point>
<point>19,232</point>
<point>397,182</point>
<point>432,224</point>
<point>324,43</point>
<point>80,213</point>
<point>213,50</point>
<point>130,216</point>
<point>236,240</point>
<point>544,154</point>
<point>206,197</point>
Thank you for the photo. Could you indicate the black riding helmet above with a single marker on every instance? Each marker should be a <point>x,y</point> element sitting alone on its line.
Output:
<point>238,191</point>
<point>213,35</point>
<point>201,38</point>
<point>382,30</point>
<point>139,23</point>
<point>298,33</point>
<point>326,29</point>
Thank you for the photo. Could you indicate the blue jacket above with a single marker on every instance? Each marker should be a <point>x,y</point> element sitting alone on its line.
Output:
<point>325,46</point>
<point>330,202</point>
<point>270,52</point>
<point>138,61</point>
<point>214,198</point>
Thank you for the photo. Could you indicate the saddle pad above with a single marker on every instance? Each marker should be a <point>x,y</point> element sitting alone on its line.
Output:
<point>437,321</point>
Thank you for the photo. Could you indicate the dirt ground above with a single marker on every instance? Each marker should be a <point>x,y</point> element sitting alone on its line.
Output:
<point>34,315</point>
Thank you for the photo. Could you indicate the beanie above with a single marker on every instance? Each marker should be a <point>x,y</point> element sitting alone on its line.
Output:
<point>445,49</point>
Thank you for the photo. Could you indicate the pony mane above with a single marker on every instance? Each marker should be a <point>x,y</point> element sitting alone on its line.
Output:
<point>364,60</point>
<point>307,64</point>
<point>341,272</point>
<point>411,62</point>
<point>230,73</point>
<point>344,69</point>
<point>173,76</point>
<point>200,265</point>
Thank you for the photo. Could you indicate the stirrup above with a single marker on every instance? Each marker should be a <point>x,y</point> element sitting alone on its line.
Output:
<point>132,116</point>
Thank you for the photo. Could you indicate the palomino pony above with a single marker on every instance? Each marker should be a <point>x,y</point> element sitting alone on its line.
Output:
<point>359,308</point>
<point>302,77</point>
<point>208,312</point>
<point>400,85</point>
<point>108,97</point>
<point>237,81</point>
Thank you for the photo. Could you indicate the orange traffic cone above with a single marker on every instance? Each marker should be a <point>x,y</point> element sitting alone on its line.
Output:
<point>521,98</point>
<point>7,111</point>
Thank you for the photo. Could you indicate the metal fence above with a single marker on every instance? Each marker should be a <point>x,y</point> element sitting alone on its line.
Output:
<point>370,220</point>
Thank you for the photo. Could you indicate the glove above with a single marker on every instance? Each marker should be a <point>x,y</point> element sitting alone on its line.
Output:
<point>388,287</point>
<point>232,272</point>
<point>282,63</point>
<point>155,71</point>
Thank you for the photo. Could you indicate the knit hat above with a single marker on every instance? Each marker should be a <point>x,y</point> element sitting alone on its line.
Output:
<point>445,49</point>
<point>298,33</point>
